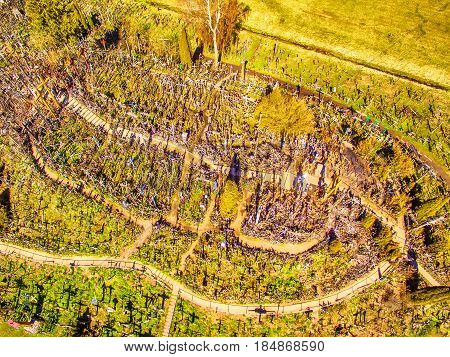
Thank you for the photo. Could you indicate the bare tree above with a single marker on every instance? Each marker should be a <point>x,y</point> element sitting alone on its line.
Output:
<point>216,22</point>
<point>213,10</point>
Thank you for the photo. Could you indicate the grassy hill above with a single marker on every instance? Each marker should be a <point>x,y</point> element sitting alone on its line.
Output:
<point>399,36</point>
<point>405,36</point>
<point>352,53</point>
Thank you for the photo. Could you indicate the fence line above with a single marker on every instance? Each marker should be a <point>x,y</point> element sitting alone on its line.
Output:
<point>168,282</point>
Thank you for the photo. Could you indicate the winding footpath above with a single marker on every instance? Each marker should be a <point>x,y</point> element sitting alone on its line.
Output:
<point>254,242</point>
<point>422,156</point>
<point>178,288</point>
<point>171,218</point>
<point>286,179</point>
<point>397,225</point>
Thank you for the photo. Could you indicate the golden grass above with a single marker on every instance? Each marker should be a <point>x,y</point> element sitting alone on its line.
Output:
<point>399,36</point>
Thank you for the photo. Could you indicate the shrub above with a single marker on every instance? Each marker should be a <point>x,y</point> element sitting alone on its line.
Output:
<point>229,200</point>
<point>335,247</point>
<point>185,50</point>
<point>386,245</point>
<point>54,22</point>
<point>284,115</point>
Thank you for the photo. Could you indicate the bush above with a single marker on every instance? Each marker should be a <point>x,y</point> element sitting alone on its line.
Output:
<point>368,221</point>
<point>185,50</point>
<point>229,200</point>
<point>431,208</point>
<point>284,115</point>
<point>54,22</point>
<point>335,247</point>
<point>386,245</point>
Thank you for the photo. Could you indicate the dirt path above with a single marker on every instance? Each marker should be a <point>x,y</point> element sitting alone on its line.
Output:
<point>85,190</point>
<point>170,312</point>
<point>189,295</point>
<point>401,238</point>
<point>386,218</point>
<point>141,239</point>
<point>236,225</point>
<point>427,276</point>
<point>253,242</point>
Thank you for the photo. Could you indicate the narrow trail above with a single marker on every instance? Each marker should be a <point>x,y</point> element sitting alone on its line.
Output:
<point>286,179</point>
<point>401,238</point>
<point>206,225</point>
<point>188,253</point>
<point>427,276</point>
<point>187,294</point>
<point>236,225</point>
<point>290,248</point>
<point>397,225</point>
<point>173,220</point>
<point>170,312</point>
<point>203,227</point>
<point>141,239</point>
<point>85,190</point>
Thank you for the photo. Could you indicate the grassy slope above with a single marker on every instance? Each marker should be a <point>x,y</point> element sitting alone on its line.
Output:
<point>406,37</point>
<point>416,52</point>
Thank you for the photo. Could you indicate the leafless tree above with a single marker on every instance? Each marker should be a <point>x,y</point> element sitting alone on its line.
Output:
<point>216,22</point>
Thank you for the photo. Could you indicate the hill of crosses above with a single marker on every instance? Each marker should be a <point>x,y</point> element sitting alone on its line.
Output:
<point>224,168</point>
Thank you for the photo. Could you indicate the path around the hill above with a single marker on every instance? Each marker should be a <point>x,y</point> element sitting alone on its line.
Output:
<point>187,294</point>
<point>285,178</point>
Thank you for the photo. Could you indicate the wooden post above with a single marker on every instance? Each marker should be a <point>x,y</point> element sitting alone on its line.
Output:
<point>243,70</point>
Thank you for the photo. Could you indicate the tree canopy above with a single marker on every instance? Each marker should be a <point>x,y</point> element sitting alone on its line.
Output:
<point>216,21</point>
<point>185,50</point>
<point>54,22</point>
<point>229,200</point>
<point>283,115</point>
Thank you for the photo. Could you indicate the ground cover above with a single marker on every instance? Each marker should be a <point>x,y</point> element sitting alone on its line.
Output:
<point>39,214</point>
<point>79,302</point>
<point>267,276</point>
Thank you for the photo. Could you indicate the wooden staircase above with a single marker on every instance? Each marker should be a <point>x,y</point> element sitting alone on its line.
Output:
<point>170,312</point>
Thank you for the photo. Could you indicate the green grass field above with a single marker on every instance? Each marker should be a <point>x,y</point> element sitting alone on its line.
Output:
<point>350,54</point>
<point>403,37</point>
